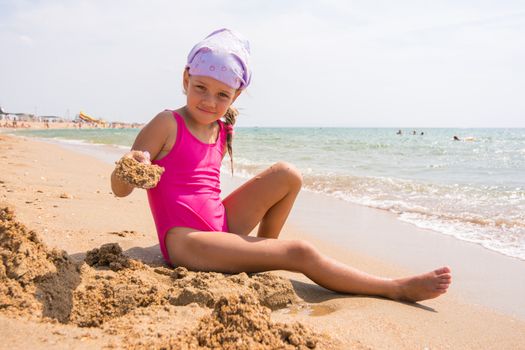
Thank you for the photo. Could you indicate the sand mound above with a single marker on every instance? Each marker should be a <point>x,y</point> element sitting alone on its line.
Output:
<point>34,281</point>
<point>206,288</point>
<point>138,174</point>
<point>241,323</point>
<point>39,282</point>
<point>116,293</point>
<point>106,295</point>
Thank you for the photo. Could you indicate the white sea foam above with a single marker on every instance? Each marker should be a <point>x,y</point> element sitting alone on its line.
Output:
<point>491,216</point>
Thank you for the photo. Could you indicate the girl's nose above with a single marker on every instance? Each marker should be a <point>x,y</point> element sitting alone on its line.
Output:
<point>208,100</point>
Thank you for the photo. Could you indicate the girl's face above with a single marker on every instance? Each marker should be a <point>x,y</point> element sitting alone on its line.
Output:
<point>207,99</point>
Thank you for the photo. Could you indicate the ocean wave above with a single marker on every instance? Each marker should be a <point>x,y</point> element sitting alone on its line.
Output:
<point>507,242</point>
<point>490,215</point>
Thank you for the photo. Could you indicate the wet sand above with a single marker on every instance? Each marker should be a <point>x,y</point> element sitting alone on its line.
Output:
<point>64,198</point>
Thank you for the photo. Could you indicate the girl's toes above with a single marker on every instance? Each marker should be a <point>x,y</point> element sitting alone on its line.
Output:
<point>442,270</point>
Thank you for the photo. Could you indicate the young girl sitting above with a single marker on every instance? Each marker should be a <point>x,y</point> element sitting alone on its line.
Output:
<point>197,229</point>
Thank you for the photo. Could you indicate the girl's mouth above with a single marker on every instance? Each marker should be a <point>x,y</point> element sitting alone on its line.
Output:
<point>204,110</point>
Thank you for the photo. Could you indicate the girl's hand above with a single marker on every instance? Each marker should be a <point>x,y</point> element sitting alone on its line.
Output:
<point>139,156</point>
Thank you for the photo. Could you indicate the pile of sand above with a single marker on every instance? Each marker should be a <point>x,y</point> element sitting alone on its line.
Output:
<point>138,174</point>
<point>143,304</point>
<point>34,281</point>
<point>241,323</point>
<point>207,288</point>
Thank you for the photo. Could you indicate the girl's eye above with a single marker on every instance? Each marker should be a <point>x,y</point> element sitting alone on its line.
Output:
<point>223,95</point>
<point>200,87</point>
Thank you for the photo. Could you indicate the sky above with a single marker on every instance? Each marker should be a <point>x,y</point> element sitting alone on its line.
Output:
<point>315,63</point>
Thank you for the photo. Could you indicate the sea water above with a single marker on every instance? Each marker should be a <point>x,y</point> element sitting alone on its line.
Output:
<point>473,189</point>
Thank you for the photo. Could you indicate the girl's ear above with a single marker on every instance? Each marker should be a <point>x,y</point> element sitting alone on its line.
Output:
<point>237,93</point>
<point>186,80</point>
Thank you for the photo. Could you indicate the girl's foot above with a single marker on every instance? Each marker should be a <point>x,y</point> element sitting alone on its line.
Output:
<point>421,287</point>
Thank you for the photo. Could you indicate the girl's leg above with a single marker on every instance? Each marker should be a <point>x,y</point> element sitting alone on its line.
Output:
<point>232,253</point>
<point>266,200</point>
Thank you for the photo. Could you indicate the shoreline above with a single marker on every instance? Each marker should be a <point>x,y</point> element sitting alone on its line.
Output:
<point>86,220</point>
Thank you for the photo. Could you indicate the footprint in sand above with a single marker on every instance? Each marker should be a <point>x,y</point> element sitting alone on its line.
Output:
<point>124,233</point>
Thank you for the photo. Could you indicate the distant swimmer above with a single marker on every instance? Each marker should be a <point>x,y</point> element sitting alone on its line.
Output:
<point>456,138</point>
<point>414,132</point>
<point>399,132</point>
<point>422,133</point>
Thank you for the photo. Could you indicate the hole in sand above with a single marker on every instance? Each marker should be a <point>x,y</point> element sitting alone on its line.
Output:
<point>309,310</point>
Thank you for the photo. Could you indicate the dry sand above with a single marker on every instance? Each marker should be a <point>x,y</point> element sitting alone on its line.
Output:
<point>82,269</point>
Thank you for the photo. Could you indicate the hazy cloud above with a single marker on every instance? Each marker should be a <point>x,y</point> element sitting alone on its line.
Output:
<point>354,63</point>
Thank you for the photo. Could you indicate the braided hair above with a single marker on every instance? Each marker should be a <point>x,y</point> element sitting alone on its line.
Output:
<point>229,119</point>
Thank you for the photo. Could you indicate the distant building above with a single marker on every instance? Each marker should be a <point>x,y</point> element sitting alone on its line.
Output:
<point>51,119</point>
<point>24,117</point>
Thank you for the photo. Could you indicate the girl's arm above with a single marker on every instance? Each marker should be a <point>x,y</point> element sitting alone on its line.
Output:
<point>153,138</point>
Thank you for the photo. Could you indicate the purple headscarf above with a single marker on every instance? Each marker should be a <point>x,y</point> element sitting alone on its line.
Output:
<point>223,55</point>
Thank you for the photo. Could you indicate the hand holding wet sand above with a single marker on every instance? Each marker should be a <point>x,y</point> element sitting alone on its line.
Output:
<point>135,168</point>
<point>139,156</point>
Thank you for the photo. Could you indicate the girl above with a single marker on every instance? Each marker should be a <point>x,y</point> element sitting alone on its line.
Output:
<point>197,229</point>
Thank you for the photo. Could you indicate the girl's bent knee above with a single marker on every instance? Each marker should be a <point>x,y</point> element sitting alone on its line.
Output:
<point>292,174</point>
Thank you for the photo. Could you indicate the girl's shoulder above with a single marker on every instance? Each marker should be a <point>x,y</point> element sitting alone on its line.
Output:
<point>164,121</point>
<point>162,128</point>
<point>165,117</point>
<point>158,136</point>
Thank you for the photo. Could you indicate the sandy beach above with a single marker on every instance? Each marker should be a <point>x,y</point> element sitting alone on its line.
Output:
<point>84,298</point>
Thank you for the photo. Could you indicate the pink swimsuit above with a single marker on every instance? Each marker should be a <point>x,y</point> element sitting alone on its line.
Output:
<point>188,193</point>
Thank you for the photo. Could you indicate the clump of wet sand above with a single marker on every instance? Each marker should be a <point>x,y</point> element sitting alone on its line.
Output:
<point>126,297</point>
<point>138,174</point>
<point>110,255</point>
